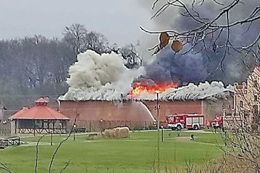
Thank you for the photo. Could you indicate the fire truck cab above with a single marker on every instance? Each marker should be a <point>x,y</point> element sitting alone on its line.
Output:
<point>217,122</point>
<point>189,121</point>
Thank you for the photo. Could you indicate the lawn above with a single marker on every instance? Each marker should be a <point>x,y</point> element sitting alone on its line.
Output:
<point>139,153</point>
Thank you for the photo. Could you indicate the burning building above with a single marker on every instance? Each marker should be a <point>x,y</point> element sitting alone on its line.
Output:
<point>103,93</point>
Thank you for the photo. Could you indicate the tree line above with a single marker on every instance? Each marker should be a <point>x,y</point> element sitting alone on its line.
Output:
<point>38,66</point>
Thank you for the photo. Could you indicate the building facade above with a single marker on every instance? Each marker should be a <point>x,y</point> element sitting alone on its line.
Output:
<point>246,99</point>
<point>141,114</point>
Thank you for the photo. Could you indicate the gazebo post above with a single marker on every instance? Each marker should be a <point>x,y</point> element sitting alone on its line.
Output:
<point>42,125</point>
<point>48,125</point>
<point>51,138</point>
<point>33,127</point>
<point>66,123</point>
<point>53,122</point>
<point>60,126</point>
<point>51,132</point>
<point>15,126</point>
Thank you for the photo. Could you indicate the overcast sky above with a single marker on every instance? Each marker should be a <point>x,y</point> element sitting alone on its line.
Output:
<point>118,20</point>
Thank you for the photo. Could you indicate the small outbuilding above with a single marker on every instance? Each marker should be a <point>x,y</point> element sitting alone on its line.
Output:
<point>39,119</point>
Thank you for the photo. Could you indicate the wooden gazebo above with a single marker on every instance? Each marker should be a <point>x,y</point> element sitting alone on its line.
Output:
<point>39,119</point>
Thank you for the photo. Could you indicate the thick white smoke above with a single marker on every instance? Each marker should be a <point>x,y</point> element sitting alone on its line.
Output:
<point>99,77</point>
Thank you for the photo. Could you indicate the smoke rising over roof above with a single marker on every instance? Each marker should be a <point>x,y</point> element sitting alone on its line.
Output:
<point>99,77</point>
<point>169,67</point>
<point>200,64</point>
<point>104,77</point>
<point>93,70</point>
<point>212,91</point>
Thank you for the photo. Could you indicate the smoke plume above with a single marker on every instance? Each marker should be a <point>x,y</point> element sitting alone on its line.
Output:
<point>210,91</point>
<point>199,64</point>
<point>104,77</point>
<point>170,68</point>
<point>99,77</point>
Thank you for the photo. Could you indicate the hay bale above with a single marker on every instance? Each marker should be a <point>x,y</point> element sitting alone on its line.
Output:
<point>122,132</point>
<point>110,133</point>
<point>106,133</point>
<point>118,132</point>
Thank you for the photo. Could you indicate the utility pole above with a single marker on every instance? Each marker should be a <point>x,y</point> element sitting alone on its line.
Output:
<point>158,131</point>
<point>74,129</point>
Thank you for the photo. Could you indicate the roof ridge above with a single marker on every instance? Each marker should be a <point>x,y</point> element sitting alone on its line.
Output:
<point>50,112</point>
<point>50,108</point>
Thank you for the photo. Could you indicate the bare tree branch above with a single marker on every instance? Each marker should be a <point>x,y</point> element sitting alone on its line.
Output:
<point>65,166</point>
<point>37,154</point>
<point>3,167</point>
<point>58,147</point>
<point>209,31</point>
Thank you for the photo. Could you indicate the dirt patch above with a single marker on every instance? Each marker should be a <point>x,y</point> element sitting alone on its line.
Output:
<point>187,139</point>
<point>28,144</point>
<point>183,139</point>
<point>197,131</point>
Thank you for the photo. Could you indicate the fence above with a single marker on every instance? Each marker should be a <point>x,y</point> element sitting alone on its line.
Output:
<point>95,126</point>
<point>89,126</point>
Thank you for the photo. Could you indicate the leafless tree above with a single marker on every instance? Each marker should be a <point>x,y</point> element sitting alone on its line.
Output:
<point>242,141</point>
<point>96,42</point>
<point>212,27</point>
<point>75,36</point>
<point>79,39</point>
<point>37,66</point>
<point>33,66</point>
<point>131,57</point>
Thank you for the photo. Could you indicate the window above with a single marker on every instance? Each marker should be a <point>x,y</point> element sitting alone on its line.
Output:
<point>228,114</point>
<point>241,104</point>
<point>255,97</point>
<point>255,83</point>
<point>255,109</point>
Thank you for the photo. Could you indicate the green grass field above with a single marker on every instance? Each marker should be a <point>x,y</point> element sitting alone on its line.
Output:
<point>139,153</point>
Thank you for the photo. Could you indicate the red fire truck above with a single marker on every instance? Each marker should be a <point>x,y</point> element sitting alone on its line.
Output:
<point>217,122</point>
<point>189,121</point>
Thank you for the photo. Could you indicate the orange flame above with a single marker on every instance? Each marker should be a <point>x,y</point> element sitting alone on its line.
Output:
<point>138,88</point>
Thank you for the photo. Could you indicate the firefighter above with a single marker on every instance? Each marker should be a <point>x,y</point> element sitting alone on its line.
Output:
<point>192,137</point>
<point>215,128</point>
<point>179,132</point>
<point>208,124</point>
